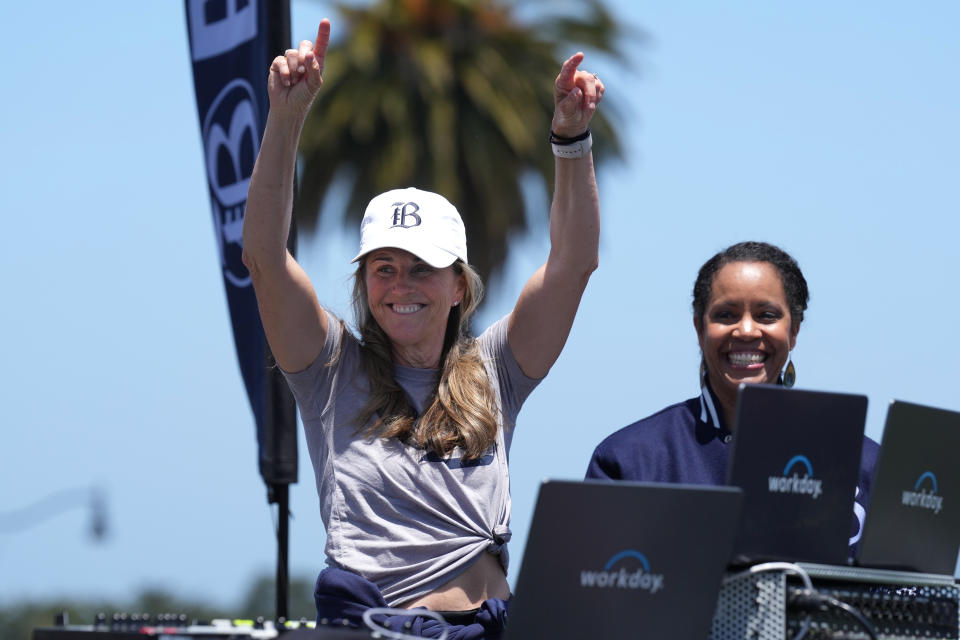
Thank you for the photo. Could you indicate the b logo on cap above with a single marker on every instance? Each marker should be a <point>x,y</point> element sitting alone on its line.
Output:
<point>404,210</point>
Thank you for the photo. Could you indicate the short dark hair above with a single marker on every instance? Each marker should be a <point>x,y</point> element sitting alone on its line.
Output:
<point>794,284</point>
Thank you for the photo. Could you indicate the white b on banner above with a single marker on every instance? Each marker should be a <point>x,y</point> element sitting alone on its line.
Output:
<point>231,45</point>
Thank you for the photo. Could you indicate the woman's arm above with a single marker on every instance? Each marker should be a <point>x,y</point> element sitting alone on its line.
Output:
<point>543,315</point>
<point>294,322</point>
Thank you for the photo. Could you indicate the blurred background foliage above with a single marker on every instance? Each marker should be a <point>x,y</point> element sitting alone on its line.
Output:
<point>456,97</point>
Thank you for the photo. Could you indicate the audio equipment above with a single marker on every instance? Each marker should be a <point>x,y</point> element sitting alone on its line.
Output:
<point>844,602</point>
<point>124,626</point>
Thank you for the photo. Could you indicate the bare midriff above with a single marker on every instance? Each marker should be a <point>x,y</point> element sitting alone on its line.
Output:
<point>483,580</point>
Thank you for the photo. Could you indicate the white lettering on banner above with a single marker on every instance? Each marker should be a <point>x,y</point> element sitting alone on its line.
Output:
<point>234,108</point>
<point>243,122</point>
<point>223,32</point>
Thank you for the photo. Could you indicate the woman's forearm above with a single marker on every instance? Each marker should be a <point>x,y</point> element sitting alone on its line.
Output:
<point>266,223</point>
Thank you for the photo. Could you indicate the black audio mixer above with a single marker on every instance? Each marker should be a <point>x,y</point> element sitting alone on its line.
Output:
<point>844,602</point>
<point>178,627</point>
<point>893,611</point>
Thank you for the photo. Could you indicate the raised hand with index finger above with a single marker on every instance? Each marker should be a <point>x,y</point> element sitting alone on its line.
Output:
<point>296,76</point>
<point>576,95</point>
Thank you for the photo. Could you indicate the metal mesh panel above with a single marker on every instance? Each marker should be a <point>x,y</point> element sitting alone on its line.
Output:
<point>751,607</point>
<point>899,605</point>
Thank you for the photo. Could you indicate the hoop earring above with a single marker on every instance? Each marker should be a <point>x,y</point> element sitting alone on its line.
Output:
<point>789,374</point>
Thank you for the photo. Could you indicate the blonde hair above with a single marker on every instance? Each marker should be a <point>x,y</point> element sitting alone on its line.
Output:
<point>462,411</point>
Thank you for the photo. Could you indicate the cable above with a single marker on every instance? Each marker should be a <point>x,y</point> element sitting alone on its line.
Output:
<point>810,597</point>
<point>803,629</point>
<point>397,635</point>
<point>857,615</point>
<point>804,626</point>
<point>789,567</point>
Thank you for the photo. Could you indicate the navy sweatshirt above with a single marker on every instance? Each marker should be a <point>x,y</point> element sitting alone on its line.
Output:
<point>689,443</point>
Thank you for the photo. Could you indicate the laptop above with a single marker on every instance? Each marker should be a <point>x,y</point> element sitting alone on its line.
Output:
<point>796,455</point>
<point>610,559</point>
<point>913,519</point>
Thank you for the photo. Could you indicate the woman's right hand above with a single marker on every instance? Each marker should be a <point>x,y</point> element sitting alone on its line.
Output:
<point>295,78</point>
<point>294,322</point>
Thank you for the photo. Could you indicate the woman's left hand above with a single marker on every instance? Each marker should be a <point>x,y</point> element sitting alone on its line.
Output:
<point>576,94</point>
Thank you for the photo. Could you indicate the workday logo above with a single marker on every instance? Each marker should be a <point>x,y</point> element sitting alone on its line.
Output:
<point>787,483</point>
<point>635,577</point>
<point>921,497</point>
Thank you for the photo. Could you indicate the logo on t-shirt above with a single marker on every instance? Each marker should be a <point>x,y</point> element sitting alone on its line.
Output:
<point>924,494</point>
<point>459,463</point>
<point>792,482</point>
<point>627,569</point>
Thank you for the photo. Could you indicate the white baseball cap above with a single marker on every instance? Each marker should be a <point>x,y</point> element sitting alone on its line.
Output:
<point>421,222</point>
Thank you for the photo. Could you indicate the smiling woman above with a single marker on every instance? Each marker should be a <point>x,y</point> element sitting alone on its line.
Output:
<point>409,420</point>
<point>415,314</point>
<point>748,304</point>
<point>411,301</point>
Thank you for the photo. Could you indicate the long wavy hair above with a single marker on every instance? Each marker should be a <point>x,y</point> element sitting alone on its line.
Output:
<point>462,412</point>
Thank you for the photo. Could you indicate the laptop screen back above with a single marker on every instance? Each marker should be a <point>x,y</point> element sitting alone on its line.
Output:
<point>796,455</point>
<point>913,520</point>
<point>623,559</point>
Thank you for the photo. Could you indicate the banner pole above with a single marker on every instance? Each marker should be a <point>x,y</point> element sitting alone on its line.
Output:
<point>281,495</point>
<point>279,38</point>
<point>231,47</point>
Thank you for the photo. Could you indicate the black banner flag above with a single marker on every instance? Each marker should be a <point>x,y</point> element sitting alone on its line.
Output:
<point>232,43</point>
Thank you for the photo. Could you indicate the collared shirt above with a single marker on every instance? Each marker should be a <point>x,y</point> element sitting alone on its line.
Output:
<point>689,443</point>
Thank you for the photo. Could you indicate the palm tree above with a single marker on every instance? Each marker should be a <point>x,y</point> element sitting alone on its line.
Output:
<point>454,96</point>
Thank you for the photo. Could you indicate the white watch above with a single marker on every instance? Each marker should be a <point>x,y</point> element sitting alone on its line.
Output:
<point>575,147</point>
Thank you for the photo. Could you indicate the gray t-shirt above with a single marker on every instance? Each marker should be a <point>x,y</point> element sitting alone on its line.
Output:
<point>400,516</point>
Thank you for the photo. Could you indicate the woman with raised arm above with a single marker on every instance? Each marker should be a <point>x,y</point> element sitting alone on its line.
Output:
<point>409,420</point>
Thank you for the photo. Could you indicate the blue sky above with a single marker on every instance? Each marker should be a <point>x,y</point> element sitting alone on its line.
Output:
<point>831,130</point>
